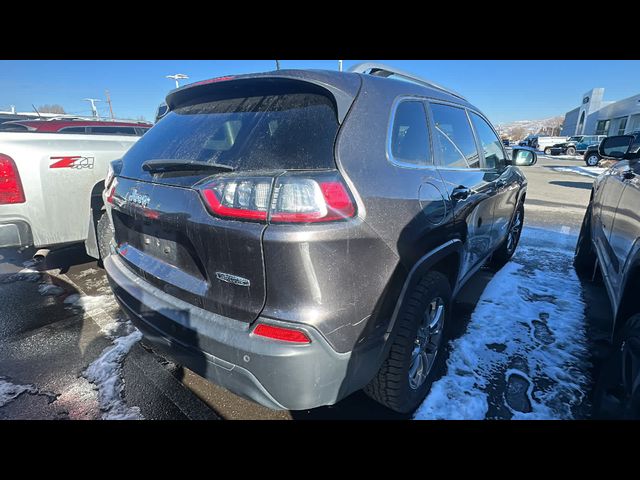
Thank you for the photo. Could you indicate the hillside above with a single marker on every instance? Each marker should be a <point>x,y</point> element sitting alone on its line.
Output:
<point>521,128</point>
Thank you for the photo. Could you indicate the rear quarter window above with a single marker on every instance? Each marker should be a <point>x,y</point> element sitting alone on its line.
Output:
<point>410,134</point>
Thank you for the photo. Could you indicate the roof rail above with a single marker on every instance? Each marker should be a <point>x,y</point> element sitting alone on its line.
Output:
<point>382,70</point>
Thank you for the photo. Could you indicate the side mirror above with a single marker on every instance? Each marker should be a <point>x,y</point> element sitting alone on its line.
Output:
<point>615,147</point>
<point>523,157</point>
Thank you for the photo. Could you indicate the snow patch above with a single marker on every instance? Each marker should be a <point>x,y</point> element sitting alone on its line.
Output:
<point>106,374</point>
<point>539,286</point>
<point>49,289</point>
<point>10,391</point>
<point>88,271</point>
<point>88,302</point>
<point>592,172</point>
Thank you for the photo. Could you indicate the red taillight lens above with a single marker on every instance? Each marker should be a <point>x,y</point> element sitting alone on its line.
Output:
<point>280,333</point>
<point>112,191</point>
<point>294,198</point>
<point>10,184</point>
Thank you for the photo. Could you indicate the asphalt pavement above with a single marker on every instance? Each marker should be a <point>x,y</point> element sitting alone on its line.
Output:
<point>59,318</point>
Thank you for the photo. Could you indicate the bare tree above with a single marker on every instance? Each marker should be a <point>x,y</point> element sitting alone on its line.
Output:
<point>53,108</point>
<point>518,133</point>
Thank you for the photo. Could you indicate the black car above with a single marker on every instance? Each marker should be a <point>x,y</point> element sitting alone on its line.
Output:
<point>298,235</point>
<point>576,144</point>
<point>610,238</point>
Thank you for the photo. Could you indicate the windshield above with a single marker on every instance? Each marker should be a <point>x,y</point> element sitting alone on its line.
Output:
<point>574,139</point>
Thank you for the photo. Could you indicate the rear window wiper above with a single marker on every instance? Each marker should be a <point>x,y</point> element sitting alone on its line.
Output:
<point>154,166</point>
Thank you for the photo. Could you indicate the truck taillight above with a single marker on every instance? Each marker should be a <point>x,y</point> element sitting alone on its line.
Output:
<point>112,191</point>
<point>10,185</point>
<point>290,198</point>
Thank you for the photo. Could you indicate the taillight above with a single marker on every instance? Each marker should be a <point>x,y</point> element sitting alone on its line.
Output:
<point>10,185</point>
<point>242,198</point>
<point>112,191</point>
<point>292,198</point>
<point>280,333</point>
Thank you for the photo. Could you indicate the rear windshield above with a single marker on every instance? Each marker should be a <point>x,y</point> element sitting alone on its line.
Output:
<point>293,130</point>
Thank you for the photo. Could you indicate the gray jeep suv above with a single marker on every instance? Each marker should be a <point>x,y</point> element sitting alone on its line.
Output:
<point>298,235</point>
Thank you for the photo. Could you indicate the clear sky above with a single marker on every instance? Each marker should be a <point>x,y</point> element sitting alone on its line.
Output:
<point>504,90</point>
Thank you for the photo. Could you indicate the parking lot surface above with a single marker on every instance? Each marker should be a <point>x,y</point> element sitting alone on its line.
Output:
<point>527,340</point>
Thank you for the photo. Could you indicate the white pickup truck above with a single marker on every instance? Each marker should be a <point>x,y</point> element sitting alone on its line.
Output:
<point>51,186</point>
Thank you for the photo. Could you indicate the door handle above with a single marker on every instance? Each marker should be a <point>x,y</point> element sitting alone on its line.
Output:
<point>460,193</point>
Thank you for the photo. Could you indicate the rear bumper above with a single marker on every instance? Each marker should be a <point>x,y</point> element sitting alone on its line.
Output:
<point>276,374</point>
<point>15,233</point>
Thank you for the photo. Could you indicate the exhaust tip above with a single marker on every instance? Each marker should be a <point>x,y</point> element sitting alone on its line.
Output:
<point>40,255</point>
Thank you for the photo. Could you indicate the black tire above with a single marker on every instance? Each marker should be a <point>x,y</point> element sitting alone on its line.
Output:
<point>392,385</point>
<point>547,151</point>
<point>592,159</point>
<point>584,258</point>
<point>571,151</point>
<point>617,389</point>
<point>104,234</point>
<point>506,250</point>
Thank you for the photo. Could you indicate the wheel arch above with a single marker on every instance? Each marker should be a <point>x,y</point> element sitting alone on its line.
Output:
<point>629,303</point>
<point>444,259</point>
<point>95,211</point>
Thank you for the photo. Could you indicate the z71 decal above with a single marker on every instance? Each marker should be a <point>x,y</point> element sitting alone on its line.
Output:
<point>75,161</point>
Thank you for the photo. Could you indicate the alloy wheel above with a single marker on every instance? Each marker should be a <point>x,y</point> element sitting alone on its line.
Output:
<point>592,160</point>
<point>514,232</point>
<point>427,343</point>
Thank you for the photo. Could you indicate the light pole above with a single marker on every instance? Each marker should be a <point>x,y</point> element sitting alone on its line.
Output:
<point>176,77</point>
<point>93,101</point>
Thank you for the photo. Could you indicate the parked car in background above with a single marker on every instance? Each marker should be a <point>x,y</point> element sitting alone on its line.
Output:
<point>51,186</point>
<point>77,126</point>
<point>610,238</point>
<point>526,141</point>
<point>162,110</point>
<point>543,142</point>
<point>576,144</point>
<point>295,254</point>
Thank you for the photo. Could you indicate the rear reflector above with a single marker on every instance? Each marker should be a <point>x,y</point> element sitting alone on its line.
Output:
<point>10,185</point>
<point>280,333</point>
<point>294,198</point>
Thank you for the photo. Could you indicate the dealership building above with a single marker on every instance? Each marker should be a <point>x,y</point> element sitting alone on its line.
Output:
<point>596,117</point>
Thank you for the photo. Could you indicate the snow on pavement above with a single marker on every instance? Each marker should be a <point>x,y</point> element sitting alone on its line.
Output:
<point>592,172</point>
<point>106,374</point>
<point>10,391</point>
<point>524,354</point>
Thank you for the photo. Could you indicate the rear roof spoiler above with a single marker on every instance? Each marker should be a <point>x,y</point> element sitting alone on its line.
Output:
<point>344,87</point>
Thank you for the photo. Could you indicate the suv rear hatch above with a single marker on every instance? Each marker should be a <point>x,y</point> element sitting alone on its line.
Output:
<point>233,139</point>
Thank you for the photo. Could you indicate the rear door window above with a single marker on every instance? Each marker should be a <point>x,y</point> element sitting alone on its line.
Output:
<point>494,157</point>
<point>113,130</point>
<point>454,143</point>
<point>410,134</point>
<point>72,130</point>
<point>267,131</point>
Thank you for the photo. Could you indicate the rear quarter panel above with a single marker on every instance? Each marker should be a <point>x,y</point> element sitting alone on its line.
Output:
<point>58,199</point>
